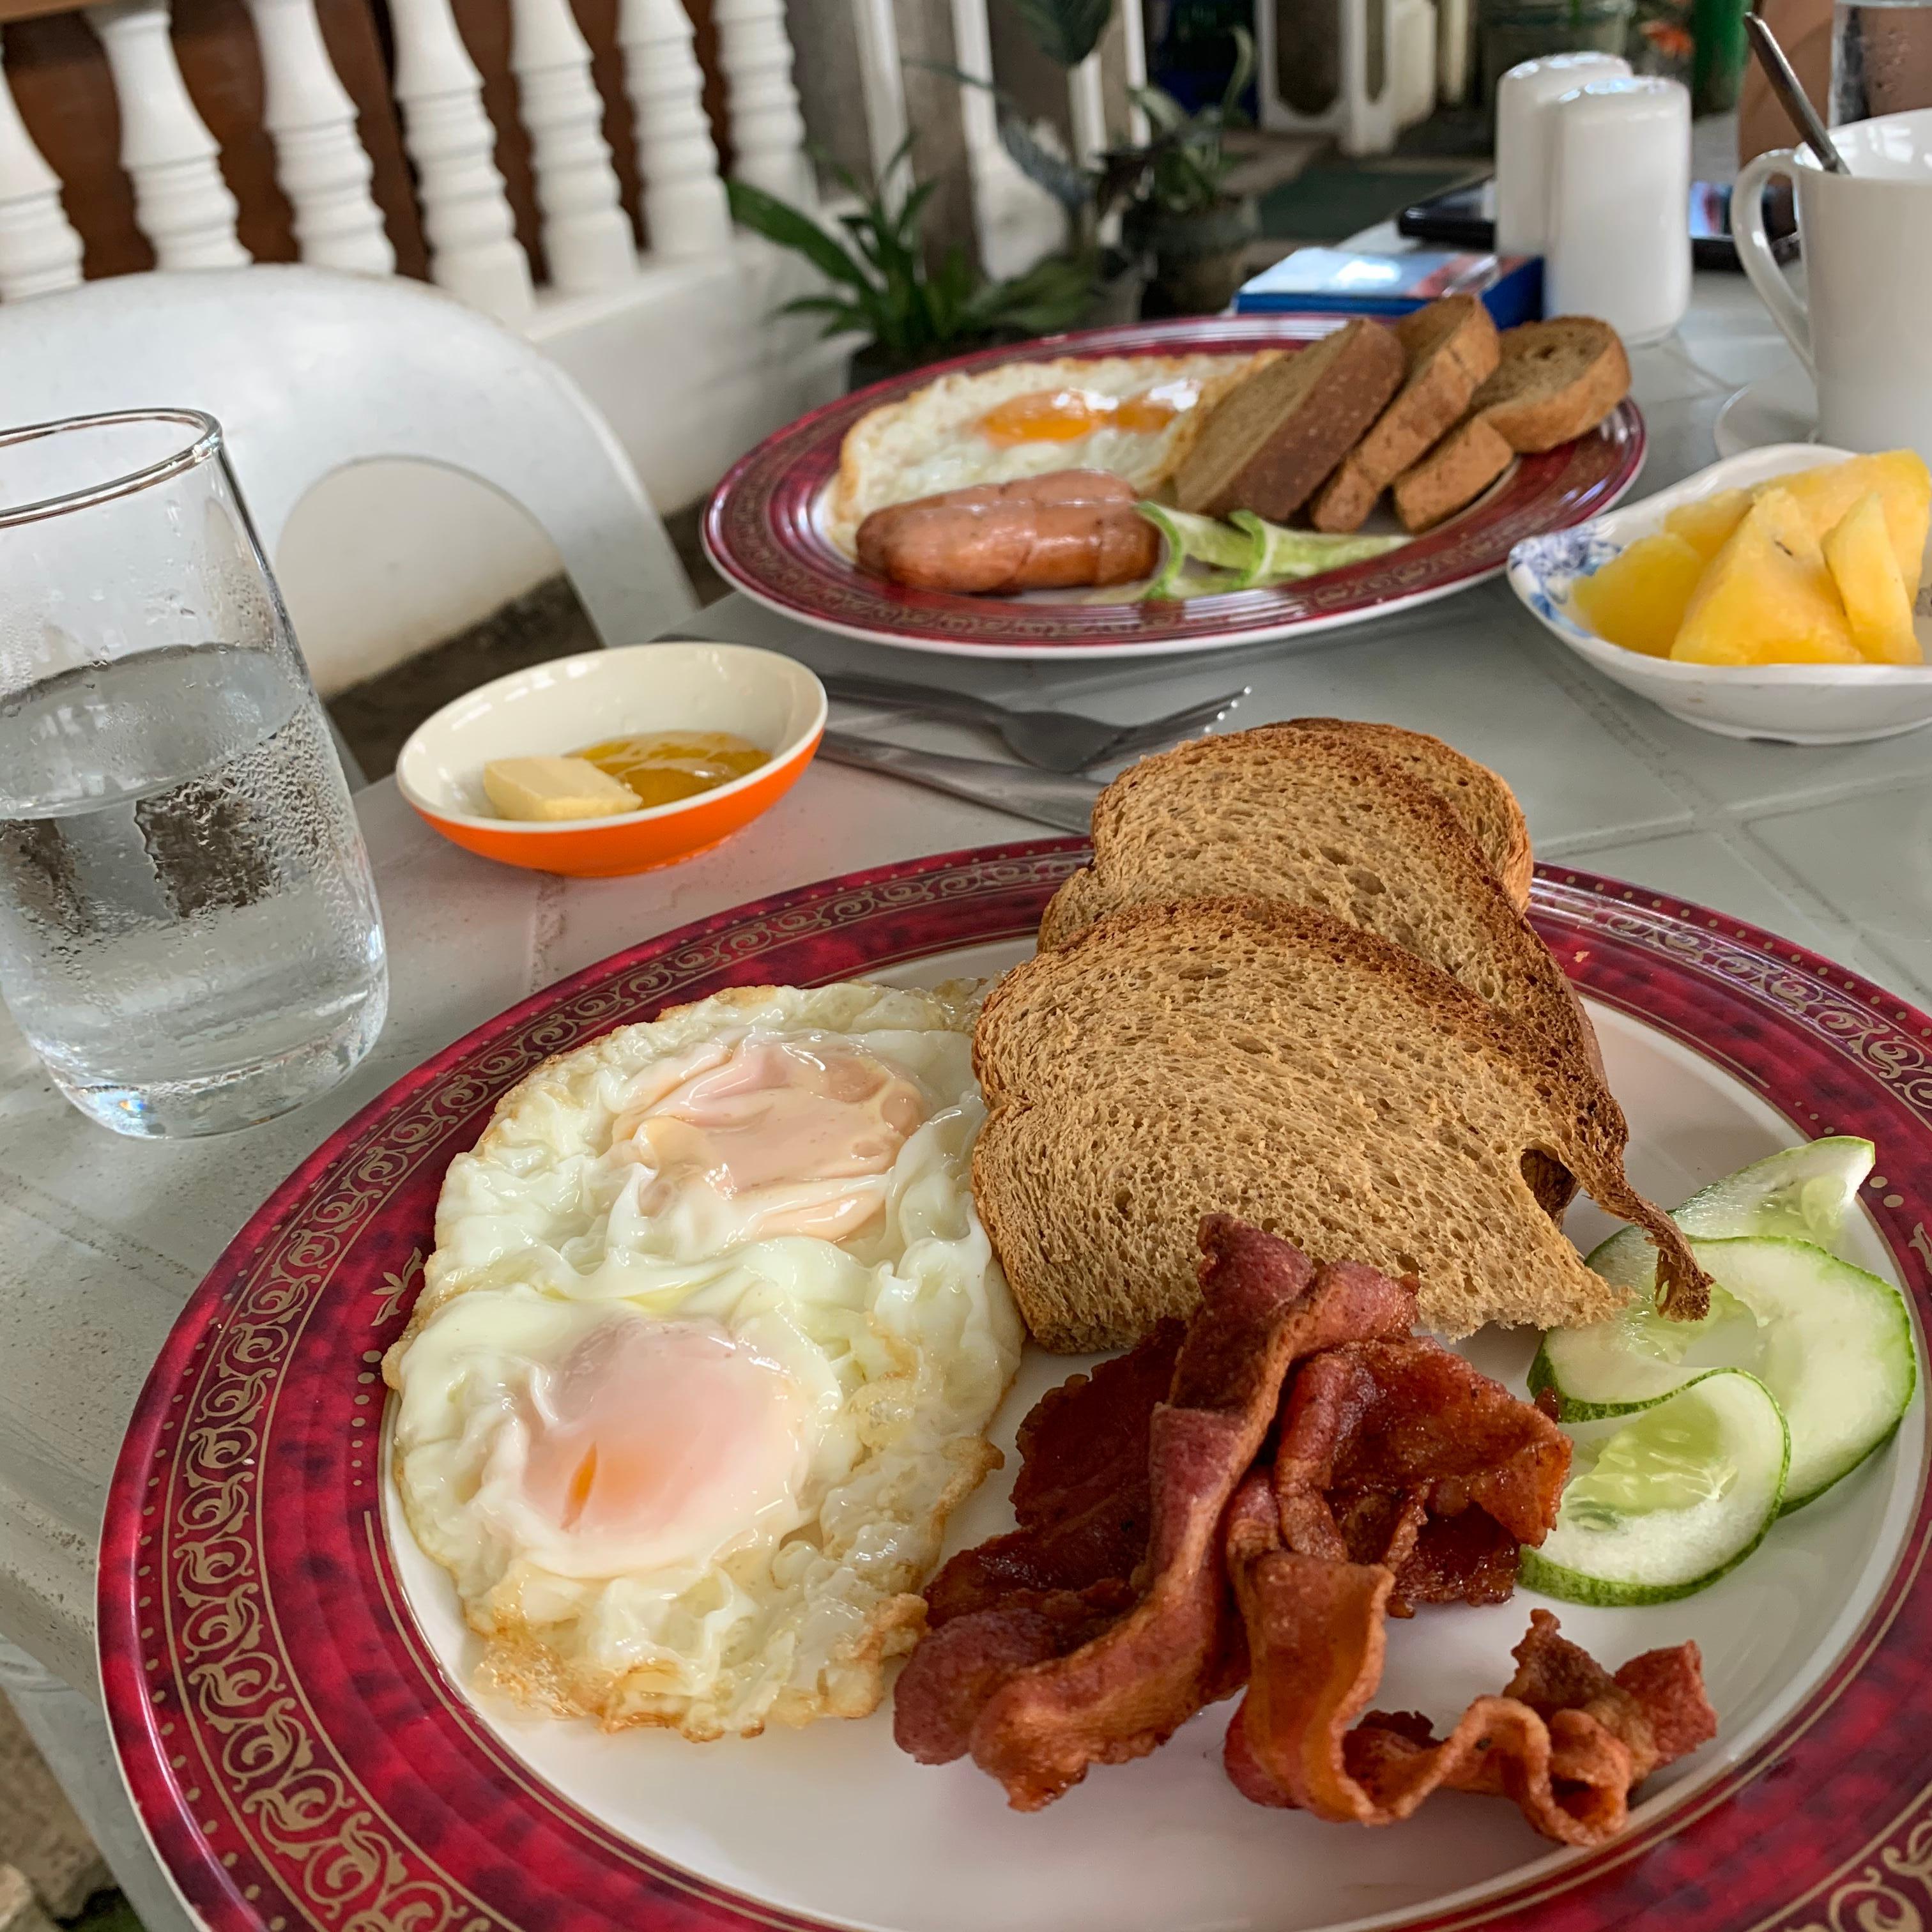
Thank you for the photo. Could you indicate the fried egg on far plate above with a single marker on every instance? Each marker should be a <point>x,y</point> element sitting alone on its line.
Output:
<point>705,1356</point>
<point>1133,416</point>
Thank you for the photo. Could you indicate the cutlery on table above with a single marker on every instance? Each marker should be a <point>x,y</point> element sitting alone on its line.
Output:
<point>1056,741</point>
<point>1054,798</point>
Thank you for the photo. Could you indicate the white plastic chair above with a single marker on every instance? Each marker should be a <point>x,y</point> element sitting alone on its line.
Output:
<point>310,371</point>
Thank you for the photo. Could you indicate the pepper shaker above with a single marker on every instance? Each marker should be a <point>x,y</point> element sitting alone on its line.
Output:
<point>1523,97</point>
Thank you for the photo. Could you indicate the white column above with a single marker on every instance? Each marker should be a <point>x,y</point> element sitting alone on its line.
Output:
<point>1133,42</point>
<point>767,130</point>
<point>181,204</point>
<point>684,209</point>
<point>319,160</point>
<point>882,81</point>
<point>39,250</point>
<point>473,249</point>
<point>1018,221</point>
<point>587,235</point>
<point>1087,97</point>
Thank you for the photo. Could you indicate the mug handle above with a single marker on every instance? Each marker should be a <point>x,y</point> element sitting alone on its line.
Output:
<point>1754,255</point>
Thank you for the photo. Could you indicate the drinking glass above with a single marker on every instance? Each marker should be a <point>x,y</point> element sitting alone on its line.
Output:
<point>189,936</point>
<point>1881,57</point>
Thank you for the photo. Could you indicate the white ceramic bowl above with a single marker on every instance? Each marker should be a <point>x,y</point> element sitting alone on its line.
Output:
<point>1795,704</point>
<point>561,706</point>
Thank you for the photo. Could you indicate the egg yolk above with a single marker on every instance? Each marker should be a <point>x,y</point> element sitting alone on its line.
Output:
<point>798,1134</point>
<point>662,765</point>
<point>1066,416</point>
<point>666,1440</point>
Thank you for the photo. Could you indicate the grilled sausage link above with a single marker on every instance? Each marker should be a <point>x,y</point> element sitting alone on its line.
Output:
<point>1062,531</point>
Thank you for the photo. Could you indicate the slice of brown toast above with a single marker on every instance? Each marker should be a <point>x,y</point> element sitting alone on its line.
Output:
<point>1480,798</point>
<point>1448,349</point>
<point>1269,442</point>
<point>1557,379</point>
<point>1451,476</point>
<point>1273,1063</point>
<point>1316,813</point>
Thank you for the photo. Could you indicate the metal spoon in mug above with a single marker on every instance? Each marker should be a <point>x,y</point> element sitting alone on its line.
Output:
<point>1790,92</point>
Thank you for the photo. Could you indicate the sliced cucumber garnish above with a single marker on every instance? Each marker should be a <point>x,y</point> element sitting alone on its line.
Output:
<point>1804,1192</point>
<point>1663,1502</point>
<point>1831,1343</point>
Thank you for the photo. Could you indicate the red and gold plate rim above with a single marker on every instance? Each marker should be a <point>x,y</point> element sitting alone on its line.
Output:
<point>761,531</point>
<point>290,1743</point>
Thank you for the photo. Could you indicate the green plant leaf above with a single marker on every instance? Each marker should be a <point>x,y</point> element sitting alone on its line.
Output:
<point>1065,31</point>
<point>1160,107</point>
<point>1238,81</point>
<point>778,221</point>
<point>1068,184</point>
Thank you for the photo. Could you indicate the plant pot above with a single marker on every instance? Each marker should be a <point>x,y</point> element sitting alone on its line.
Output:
<point>1198,258</point>
<point>1122,283</point>
<point>1521,30</point>
<point>872,362</point>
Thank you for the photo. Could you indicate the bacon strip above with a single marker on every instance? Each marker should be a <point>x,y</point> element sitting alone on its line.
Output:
<point>1125,1691</point>
<point>1399,1453</point>
<point>1567,1741</point>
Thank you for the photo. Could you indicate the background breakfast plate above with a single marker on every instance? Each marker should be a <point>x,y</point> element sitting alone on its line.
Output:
<point>761,531</point>
<point>287,1676</point>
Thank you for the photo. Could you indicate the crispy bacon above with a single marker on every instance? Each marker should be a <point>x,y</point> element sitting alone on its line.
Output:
<point>1127,1690</point>
<point>1400,1454</point>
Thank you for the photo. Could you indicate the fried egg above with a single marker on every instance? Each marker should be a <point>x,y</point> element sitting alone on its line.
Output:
<point>705,1356</point>
<point>1133,416</point>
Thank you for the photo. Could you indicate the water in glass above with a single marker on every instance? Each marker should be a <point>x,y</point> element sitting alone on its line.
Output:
<point>188,931</point>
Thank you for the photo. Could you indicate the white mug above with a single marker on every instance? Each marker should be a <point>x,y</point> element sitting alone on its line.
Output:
<point>1864,330</point>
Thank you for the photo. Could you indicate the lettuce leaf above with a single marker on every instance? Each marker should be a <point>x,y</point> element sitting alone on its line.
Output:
<point>1284,557</point>
<point>1230,554</point>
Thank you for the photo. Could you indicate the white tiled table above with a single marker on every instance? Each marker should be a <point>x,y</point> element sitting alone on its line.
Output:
<point>102,1239</point>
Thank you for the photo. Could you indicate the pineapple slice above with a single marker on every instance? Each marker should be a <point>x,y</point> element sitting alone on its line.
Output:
<point>1859,552</point>
<point>1902,483</point>
<point>1768,598</point>
<point>1706,525</point>
<point>1639,597</point>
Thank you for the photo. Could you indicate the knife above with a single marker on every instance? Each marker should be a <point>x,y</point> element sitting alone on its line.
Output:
<point>1047,797</point>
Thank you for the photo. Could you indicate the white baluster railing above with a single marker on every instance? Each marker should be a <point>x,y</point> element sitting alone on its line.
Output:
<point>684,209</point>
<point>882,85</point>
<point>767,130</point>
<point>319,161</point>
<point>1086,99</point>
<point>39,250</point>
<point>587,235</point>
<point>181,204</point>
<point>473,249</point>
<point>1017,220</point>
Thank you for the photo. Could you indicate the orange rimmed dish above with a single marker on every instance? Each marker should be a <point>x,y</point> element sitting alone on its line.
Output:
<point>561,706</point>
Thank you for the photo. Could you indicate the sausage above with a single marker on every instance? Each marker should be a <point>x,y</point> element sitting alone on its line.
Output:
<point>1065,530</point>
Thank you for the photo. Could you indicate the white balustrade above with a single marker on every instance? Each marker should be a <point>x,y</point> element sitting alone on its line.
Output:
<point>473,249</point>
<point>1017,220</point>
<point>1133,40</point>
<point>684,210</point>
<point>587,235</point>
<point>181,204</point>
<point>39,250</point>
<point>319,160</point>
<point>1087,98</point>
<point>882,84</point>
<point>767,130</point>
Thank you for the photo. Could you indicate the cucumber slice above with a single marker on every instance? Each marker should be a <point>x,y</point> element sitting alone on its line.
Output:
<point>1804,1192</point>
<point>1831,1343</point>
<point>1662,1503</point>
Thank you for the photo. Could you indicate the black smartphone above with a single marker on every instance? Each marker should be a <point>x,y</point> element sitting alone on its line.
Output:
<point>1465,217</point>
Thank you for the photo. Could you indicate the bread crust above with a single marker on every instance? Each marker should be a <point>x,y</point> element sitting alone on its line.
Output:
<point>1452,475</point>
<point>1557,379</point>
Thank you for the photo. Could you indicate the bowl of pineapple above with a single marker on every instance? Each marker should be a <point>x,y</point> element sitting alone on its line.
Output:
<point>1776,595</point>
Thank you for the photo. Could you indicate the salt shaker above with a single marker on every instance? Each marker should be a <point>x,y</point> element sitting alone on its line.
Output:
<point>1523,96</point>
<point>1619,244</point>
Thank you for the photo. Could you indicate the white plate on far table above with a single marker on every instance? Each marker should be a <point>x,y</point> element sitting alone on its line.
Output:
<point>1782,408</point>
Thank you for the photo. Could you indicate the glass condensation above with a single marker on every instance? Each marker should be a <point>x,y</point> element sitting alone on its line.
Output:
<point>189,936</point>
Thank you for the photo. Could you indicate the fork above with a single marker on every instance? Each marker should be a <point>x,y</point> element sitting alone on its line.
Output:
<point>1056,741</point>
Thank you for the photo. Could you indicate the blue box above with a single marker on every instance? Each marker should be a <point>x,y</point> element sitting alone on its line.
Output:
<point>1339,281</point>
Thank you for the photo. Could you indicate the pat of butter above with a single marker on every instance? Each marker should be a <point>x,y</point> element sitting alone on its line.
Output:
<point>552,788</point>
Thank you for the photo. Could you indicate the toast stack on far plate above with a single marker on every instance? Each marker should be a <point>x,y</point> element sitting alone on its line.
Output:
<point>1291,986</point>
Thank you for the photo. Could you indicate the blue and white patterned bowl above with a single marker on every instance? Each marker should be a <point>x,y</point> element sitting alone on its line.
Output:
<point>1798,704</point>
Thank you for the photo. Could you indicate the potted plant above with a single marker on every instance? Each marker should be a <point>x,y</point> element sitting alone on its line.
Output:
<point>882,290</point>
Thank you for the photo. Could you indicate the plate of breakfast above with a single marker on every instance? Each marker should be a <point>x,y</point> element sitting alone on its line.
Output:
<point>1181,485</point>
<point>1144,1385</point>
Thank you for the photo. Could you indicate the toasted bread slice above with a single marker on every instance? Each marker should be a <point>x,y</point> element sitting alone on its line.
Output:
<point>1448,349</point>
<point>1451,476</point>
<point>1269,442</point>
<point>1557,379</point>
<point>1274,1062</point>
<point>1480,798</point>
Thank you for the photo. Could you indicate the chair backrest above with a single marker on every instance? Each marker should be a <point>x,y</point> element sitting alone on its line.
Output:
<point>310,371</point>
